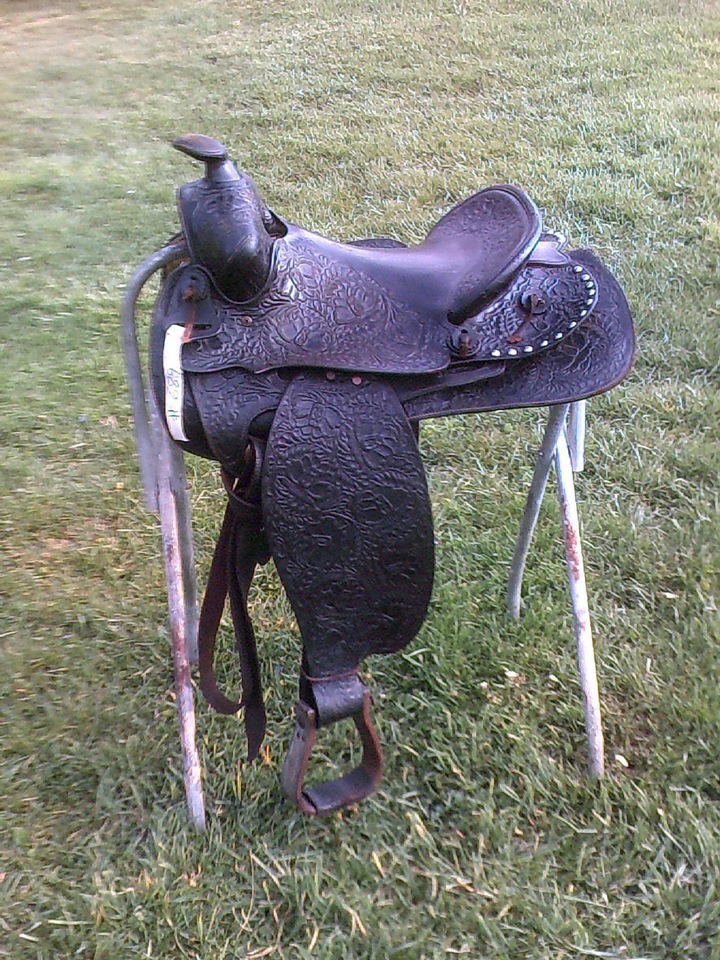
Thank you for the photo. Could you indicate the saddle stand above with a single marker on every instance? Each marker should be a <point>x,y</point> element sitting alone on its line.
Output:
<point>304,366</point>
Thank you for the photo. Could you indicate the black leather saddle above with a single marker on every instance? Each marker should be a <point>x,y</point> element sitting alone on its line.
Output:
<point>303,366</point>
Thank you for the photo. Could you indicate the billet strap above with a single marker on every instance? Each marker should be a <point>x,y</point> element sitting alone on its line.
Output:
<point>352,787</point>
<point>240,547</point>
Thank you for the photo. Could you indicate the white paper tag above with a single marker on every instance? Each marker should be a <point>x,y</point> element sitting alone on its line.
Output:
<point>174,381</point>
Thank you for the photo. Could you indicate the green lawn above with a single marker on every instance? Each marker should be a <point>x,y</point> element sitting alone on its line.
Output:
<point>486,840</point>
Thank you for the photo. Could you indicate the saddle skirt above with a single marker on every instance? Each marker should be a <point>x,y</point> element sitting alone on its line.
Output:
<point>303,366</point>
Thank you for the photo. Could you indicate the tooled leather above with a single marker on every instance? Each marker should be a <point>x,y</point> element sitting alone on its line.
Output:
<point>228,401</point>
<point>320,313</point>
<point>595,357</point>
<point>506,330</point>
<point>219,220</point>
<point>489,221</point>
<point>348,519</point>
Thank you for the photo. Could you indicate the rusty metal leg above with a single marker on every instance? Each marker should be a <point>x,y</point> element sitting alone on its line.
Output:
<point>178,479</point>
<point>581,613</point>
<point>576,434</point>
<point>553,430</point>
<point>170,522</point>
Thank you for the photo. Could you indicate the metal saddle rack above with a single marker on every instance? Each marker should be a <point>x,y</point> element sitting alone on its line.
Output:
<point>303,366</point>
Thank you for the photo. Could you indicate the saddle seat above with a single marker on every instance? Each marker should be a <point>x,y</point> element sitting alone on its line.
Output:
<point>463,262</point>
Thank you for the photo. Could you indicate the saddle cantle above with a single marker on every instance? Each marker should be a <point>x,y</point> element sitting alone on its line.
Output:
<point>303,366</point>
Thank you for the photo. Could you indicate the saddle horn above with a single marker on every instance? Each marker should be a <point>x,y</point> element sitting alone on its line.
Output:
<point>211,152</point>
<point>235,249</point>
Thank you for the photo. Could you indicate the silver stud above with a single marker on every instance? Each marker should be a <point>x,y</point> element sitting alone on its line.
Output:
<point>495,353</point>
<point>586,276</point>
<point>544,343</point>
<point>572,324</point>
<point>589,301</point>
<point>558,336</point>
<point>583,313</point>
<point>577,269</point>
<point>512,352</point>
<point>528,349</point>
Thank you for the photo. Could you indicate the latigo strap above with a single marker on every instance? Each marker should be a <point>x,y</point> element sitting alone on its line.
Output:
<point>241,546</point>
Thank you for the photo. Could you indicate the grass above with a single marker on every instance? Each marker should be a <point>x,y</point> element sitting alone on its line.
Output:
<point>485,840</point>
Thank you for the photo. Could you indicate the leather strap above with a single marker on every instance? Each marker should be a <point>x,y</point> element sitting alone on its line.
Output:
<point>352,787</point>
<point>240,547</point>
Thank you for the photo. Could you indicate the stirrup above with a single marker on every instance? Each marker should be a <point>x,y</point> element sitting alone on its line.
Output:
<point>352,787</point>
